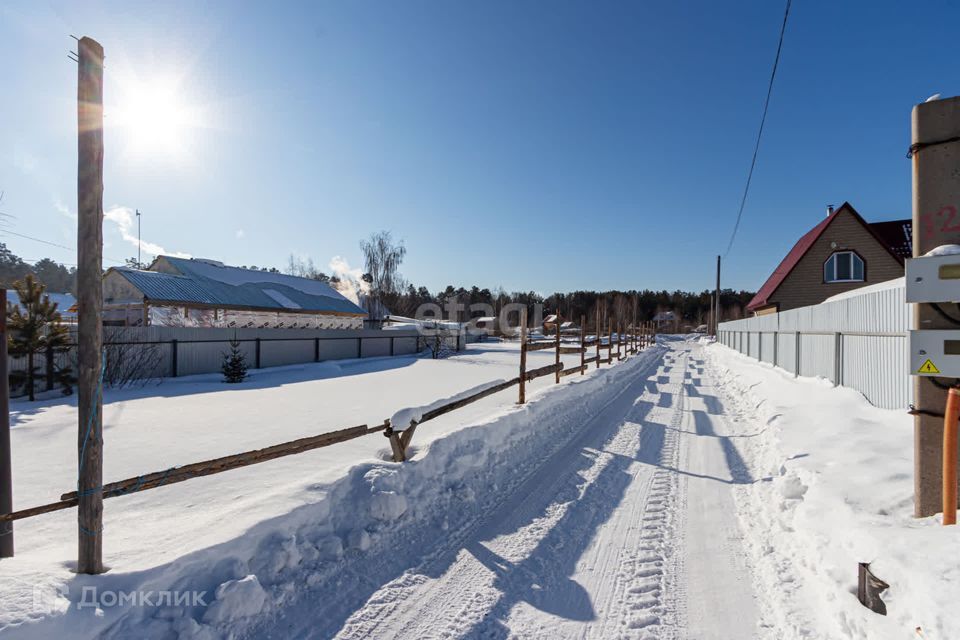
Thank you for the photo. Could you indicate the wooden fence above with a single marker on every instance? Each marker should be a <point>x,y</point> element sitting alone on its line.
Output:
<point>399,438</point>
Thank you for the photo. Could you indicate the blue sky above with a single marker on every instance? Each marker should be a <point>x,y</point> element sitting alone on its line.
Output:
<point>534,145</point>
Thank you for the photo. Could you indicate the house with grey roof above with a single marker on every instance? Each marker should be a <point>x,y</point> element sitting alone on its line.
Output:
<point>195,292</point>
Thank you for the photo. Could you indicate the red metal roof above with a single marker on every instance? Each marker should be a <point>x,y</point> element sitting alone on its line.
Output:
<point>788,263</point>
<point>879,231</point>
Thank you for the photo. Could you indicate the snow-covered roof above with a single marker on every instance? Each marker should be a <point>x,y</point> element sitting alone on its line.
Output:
<point>65,302</point>
<point>211,282</point>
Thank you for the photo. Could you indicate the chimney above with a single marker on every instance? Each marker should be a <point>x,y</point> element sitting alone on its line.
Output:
<point>829,210</point>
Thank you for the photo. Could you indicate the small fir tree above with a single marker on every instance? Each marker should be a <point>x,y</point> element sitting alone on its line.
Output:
<point>234,363</point>
<point>35,331</point>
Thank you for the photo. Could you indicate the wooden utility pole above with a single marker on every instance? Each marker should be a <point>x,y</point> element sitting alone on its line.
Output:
<point>716,304</point>
<point>523,355</point>
<point>936,203</point>
<point>90,304</point>
<point>6,464</point>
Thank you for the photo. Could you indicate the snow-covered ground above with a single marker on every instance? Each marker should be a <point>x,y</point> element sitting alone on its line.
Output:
<point>838,490</point>
<point>687,492</point>
<point>198,417</point>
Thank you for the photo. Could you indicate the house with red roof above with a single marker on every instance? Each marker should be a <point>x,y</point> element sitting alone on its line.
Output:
<point>843,252</point>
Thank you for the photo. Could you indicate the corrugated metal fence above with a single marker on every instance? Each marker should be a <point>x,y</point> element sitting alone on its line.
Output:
<point>858,342</point>
<point>152,352</point>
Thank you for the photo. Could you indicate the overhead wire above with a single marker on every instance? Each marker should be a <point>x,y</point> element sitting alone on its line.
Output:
<point>763,120</point>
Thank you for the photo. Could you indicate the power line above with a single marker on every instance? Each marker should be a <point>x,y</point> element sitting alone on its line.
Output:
<point>52,244</point>
<point>756,148</point>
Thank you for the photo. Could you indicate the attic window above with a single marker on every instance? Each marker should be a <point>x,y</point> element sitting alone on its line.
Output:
<point>843,266</point>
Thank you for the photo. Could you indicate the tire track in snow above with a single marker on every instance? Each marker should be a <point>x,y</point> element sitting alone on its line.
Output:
<point>645,601</point>
<point>597,531</point>
<point>466,599</point>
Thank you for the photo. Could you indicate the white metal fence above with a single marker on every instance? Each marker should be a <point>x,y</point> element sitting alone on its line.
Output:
<point>154,352</point>
<point>858,341</point>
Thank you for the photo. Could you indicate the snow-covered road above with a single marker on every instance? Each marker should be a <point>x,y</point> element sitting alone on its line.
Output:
<point>628,530</point>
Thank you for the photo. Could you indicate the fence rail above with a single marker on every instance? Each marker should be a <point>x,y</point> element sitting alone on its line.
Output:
<point>858,341</point>
<point>399,441</point>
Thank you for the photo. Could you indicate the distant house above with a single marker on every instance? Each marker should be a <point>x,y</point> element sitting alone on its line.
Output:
<point>66,304</point>
<point>843,252</point>
<point>206,293</point>
<point>666,319</point>
<point>550,323</point>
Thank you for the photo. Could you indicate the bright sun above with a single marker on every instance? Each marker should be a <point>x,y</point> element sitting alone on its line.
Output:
<point>154,117</point>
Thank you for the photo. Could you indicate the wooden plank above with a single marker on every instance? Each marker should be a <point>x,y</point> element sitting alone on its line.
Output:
<point>570,372</point>
<point>542,371</point>
<point>234,461</point>
<point>591,360</point>
<point>462,402</point>
<point>540,346</point>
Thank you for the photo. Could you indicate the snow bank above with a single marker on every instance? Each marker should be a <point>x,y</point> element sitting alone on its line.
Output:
<point>944,250</point>
<point>404,418</point>
<point>331,554</point>
<point>836,490</point>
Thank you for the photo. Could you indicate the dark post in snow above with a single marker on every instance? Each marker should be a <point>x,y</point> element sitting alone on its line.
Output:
<point>596,329</point>
<point>936,200</point>
<point>609,340</point>
<point>557,346</point>
<point>523,355</point>
<point>583,344</point>
<point>6,468</point>
<point>716,304</point>
<point>90,304</point>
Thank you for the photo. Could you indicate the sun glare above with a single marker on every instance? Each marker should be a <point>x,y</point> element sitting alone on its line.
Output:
<point>154,117</point>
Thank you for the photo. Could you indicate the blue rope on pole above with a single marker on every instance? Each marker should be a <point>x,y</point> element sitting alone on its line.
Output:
<point>83,448</point>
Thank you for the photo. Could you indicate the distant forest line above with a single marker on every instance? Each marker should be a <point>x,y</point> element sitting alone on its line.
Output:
<point>405,298</point>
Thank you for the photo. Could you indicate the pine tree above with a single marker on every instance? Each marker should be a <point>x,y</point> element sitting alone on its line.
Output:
<point>234,363</point>
<point>35,330</point>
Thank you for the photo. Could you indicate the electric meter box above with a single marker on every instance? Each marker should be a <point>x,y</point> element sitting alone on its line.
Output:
<point>935,352</point>
<point>933,278</point>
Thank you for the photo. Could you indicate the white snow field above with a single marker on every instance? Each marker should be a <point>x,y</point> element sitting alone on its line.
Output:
<point>687,492</point>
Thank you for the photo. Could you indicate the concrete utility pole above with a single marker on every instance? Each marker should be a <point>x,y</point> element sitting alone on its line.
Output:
<point>716,304</point>
<point>90,304</point>
<point>936,200</point>
<point>6,466</point>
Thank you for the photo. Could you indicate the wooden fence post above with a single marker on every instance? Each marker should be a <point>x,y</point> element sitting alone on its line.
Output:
<point>583,344</point>
<point>6,472</point>
<point>90,305</point>
<point>557,347</point>
<point>609,340</point>
<point>523,355</point>
<point>49,363</point>
<point>597,331</point>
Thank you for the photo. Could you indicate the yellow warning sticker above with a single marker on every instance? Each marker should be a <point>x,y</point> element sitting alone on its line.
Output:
<point>928,367</point>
